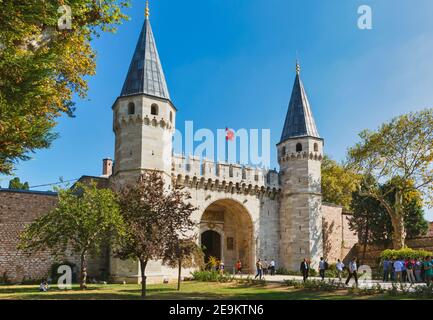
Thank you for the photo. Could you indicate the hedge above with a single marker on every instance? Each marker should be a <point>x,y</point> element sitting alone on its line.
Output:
<point>405,253</point>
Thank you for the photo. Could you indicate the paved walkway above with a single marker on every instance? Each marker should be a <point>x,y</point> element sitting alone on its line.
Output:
<point>361,282</point>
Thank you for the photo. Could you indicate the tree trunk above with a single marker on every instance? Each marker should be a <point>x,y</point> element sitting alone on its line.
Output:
<point>179,275</point>
<point>367,230</point>
<point>83,276</point>
<point>397,220</point>
<point>143,264</point>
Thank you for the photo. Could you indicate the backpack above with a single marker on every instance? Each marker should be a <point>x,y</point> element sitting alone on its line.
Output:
<point>326,265</point>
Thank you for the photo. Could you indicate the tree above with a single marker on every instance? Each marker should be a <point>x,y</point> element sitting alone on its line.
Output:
<point>372,222</point>
<point>183,253</point>
<point>401,153</point>
<point>338,183</point>
<point>85,220</point>
<point>43,65</point>
<point>16,184</point>
<point>156,219</point>
<point>369,214</point>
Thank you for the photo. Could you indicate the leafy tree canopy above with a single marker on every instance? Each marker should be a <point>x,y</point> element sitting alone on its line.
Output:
<point>373,223</point>
<point>338,183</point>
<point>399,153</point>
<point>159,224</point>
<point>85,220</point>
<point>16,184</point>
<point>43,66</point>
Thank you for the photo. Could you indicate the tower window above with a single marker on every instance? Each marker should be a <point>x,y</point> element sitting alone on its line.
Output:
<point>283,151</point>
<point>298,147</point>
<point>154,109</point>
<point>171,116</point>
<point>316,147</point>
<point>131,108</point>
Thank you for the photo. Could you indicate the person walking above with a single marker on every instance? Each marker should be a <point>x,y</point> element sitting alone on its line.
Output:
<point>404,269</point>
<point>272,267</point>
<point>398,269</point>
<point>265,267</point>
<point>417,270</point>
<point>221,268</point>
<point>340,267</point>
<point>259,269</point>
<point>385,270</point>
<point>239,267</point>
<point>322,268</point>
<point>353,269</point>
<point>305,269</point>
<point>428,270</point>
<point>391,269</point>
<point>409,269</point>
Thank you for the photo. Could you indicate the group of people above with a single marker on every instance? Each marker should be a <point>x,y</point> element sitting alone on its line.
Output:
<point>408,270</point>
<point>323,266</point>
<point>401,270</point>
<point>264,268</point>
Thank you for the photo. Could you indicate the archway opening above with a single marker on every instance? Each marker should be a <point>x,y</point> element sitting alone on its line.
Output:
<point>211,242</point>
<point>227,223</point>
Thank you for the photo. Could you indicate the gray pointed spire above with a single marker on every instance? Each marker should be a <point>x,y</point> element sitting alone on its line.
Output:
<point>145,74</point>
<point>299,119</point>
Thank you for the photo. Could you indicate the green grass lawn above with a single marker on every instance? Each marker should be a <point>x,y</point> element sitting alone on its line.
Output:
<point>189,290</point>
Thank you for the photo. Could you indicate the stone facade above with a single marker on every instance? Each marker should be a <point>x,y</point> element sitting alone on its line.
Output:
<point>300,213</point>
<point>338,239</point>
<point>243,212</point>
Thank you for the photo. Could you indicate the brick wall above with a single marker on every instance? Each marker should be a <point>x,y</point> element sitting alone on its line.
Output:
<point>17,209</point>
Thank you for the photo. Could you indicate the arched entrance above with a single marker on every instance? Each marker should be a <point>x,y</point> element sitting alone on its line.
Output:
<point>211,242</point>
<point>226,230</point>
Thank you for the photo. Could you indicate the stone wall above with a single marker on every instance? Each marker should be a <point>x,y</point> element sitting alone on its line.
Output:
<point>339,241</point>
<point>18,209</point>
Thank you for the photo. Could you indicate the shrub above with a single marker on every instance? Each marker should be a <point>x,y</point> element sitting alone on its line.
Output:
<point>424,291</point>
<point>315,285</point>
<point>404,253</point>
<point>330,285</point>
<point>284,271</point>
<point>332,271</point>
<point>211,276</point>
<point>4,279</point>
<point>291,282</point>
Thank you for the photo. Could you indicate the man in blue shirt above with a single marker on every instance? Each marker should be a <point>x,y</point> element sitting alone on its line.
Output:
<point>385,270</point>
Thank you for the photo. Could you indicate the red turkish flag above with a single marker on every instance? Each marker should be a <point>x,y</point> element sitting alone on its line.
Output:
<point>230,135</point>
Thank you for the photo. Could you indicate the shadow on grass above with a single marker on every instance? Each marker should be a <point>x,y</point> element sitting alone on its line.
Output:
<point>189,291</point>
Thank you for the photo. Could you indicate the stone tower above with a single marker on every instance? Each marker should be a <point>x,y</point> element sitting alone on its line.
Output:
<point>144,116</point>
<point>300,152</point>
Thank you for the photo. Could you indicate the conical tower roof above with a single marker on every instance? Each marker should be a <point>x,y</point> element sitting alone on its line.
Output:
<point>145,74</point>
<point>299,119</point>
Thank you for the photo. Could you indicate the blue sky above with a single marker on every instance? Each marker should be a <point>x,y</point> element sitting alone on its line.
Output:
<point>231,63</point>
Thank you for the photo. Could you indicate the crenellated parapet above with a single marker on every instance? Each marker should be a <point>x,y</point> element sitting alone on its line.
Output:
<point>300,156</point>
<point>195,172</point>
<point>123,121</point>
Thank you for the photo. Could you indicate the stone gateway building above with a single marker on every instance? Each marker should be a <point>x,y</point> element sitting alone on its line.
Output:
<point>243,213</point>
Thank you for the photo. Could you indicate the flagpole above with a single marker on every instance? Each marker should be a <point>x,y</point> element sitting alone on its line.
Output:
<point>227,146</point>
